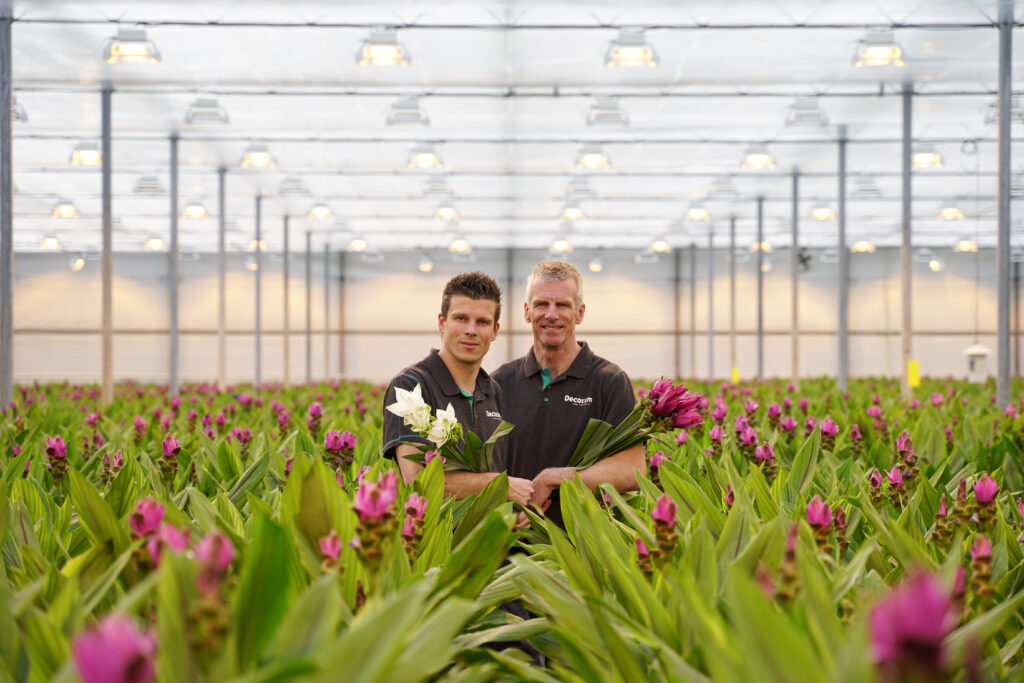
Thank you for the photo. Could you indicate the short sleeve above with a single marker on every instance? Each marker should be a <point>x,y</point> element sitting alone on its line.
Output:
<point>394,430</point>
<point>621,397</point>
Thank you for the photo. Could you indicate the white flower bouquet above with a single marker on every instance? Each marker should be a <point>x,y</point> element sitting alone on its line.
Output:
<point>458,449</point>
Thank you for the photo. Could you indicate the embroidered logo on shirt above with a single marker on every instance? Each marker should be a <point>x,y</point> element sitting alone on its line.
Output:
<point>494,413</point>
<point>578,400</point>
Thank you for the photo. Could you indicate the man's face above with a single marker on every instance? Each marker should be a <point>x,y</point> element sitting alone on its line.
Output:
<point>551,310</point>
<point>469,329</point>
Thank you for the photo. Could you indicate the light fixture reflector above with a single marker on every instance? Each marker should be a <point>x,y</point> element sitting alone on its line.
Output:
<point>406,111</point>
<point>382,48</point>
<point>630,49</point>
<point>424,157</point>
<point>878,48</point>
<point>206,110</point>
<point>130,45</point>
<point>257,156</point>
<point>592,158</point>
<point>86,154</point>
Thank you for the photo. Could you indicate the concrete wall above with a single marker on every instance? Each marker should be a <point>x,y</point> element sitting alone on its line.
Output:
<point>382,316</point>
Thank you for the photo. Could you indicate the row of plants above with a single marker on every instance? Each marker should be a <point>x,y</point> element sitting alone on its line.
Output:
<point>255,534</point>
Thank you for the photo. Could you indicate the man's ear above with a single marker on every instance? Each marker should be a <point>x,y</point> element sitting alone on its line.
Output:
<point>526,311</point>
<point>579,313</point>
<point>440,323</point>
<point>494,335</point>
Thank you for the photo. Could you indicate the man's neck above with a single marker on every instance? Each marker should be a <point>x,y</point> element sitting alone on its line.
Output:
<point>556,359</point>
<point>463,374</point>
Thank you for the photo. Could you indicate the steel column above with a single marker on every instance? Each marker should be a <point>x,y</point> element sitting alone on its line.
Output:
<point>711,302</point>
<point>258,330</point>
<point>222,306</point>
<point>843,270</point>
<point>760,287</point>
<point>6,214</point>
<point>342,263</point>
<point>677,318</point>
<point>327,310</point>
<point>905,247</point>
<point>1003,240</point>
<point>172,269</point>
<point>693,310</point>
<point>794,272</point>
<point>510,282</point>
<point>285,328</point>
<point>732,294</point>
<point>107,264</point>
<point>309,307</point>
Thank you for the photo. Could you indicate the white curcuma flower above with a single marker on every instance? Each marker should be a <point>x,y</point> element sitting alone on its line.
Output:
<point>409,406</point>
<point>441,429</point>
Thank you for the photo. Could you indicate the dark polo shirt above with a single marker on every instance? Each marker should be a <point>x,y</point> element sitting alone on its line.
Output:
<point>550,415</point>
<point>479,414</point>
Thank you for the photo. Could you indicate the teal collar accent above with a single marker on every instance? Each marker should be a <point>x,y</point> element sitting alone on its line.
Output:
<point>545,377</point>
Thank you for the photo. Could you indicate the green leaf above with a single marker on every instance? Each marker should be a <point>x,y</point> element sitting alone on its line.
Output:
<point>249,479</point>
<point>262,596</point>
<point>174,596</point>
<point>492,495</point>
<point>983,627</point>
<point>802,471</point>
<point>96,517</point>
<point>311,620</point>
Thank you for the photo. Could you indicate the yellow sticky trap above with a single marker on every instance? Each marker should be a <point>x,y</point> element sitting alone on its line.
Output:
<point>913,373</point>
<point>735,375</point>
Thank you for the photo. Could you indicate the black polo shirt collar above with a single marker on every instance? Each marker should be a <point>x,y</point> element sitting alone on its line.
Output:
<point>440,372</point>
<point>578,369</point>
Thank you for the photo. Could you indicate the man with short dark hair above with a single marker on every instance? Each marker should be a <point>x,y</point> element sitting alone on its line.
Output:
<point>552,392</point>
<point>468,323</point>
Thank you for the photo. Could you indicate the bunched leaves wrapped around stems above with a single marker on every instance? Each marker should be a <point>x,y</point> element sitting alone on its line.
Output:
<point>663,408</point>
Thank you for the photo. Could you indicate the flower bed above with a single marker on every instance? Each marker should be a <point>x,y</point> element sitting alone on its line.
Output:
<point>257,535</point>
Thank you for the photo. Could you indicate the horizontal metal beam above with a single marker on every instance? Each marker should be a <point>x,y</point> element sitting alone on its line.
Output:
<point>417,140</point>
<point>508,26</point>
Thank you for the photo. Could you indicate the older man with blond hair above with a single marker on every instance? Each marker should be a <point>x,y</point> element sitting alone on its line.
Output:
<point>552,392</point>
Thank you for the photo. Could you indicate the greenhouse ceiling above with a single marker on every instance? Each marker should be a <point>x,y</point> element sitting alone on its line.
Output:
<point>508,96</point>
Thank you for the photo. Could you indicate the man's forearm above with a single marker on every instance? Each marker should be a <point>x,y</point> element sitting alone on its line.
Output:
<point>619,470</point>
<point>462,484</point>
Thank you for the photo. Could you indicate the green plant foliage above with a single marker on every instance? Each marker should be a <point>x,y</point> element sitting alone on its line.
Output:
<point>720,566</point>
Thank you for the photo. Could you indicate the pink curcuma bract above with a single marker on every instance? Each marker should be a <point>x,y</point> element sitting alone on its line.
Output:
<point>167,536</point>
<point>171,446</point>
<point>330,546</point>
<point>146,518</point>
<point>985,490</point>
<point>415,506</point>
<point>374,499</point>
<point>665,511</point>
<point>819,514</point>
<point>55,447</point>
<point>115,651</point>
<point>909,627</point>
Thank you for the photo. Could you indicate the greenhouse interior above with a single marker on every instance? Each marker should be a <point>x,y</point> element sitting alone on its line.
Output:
<point>762,257</point>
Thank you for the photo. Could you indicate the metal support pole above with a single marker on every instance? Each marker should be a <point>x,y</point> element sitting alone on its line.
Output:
<point>510,283</point>
<point>711,302</point>
<point>258,331</point>
<point>1016,318</point>
<point>309,307</point>
<point>327,310</point>
<point>760,287</point>
<point>172,270</point>
<point>285,329</point>
<point>843,270</point>
<point>7,215</point>
<point>732,294</point>
<point>794,274</point>
<point>222,303</point>
<point>107,266</point>
<point>1003,241</point>
<point>693,310</point>
<point>342,256</point>
<point>677,322</point>
<point>905,246</point>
